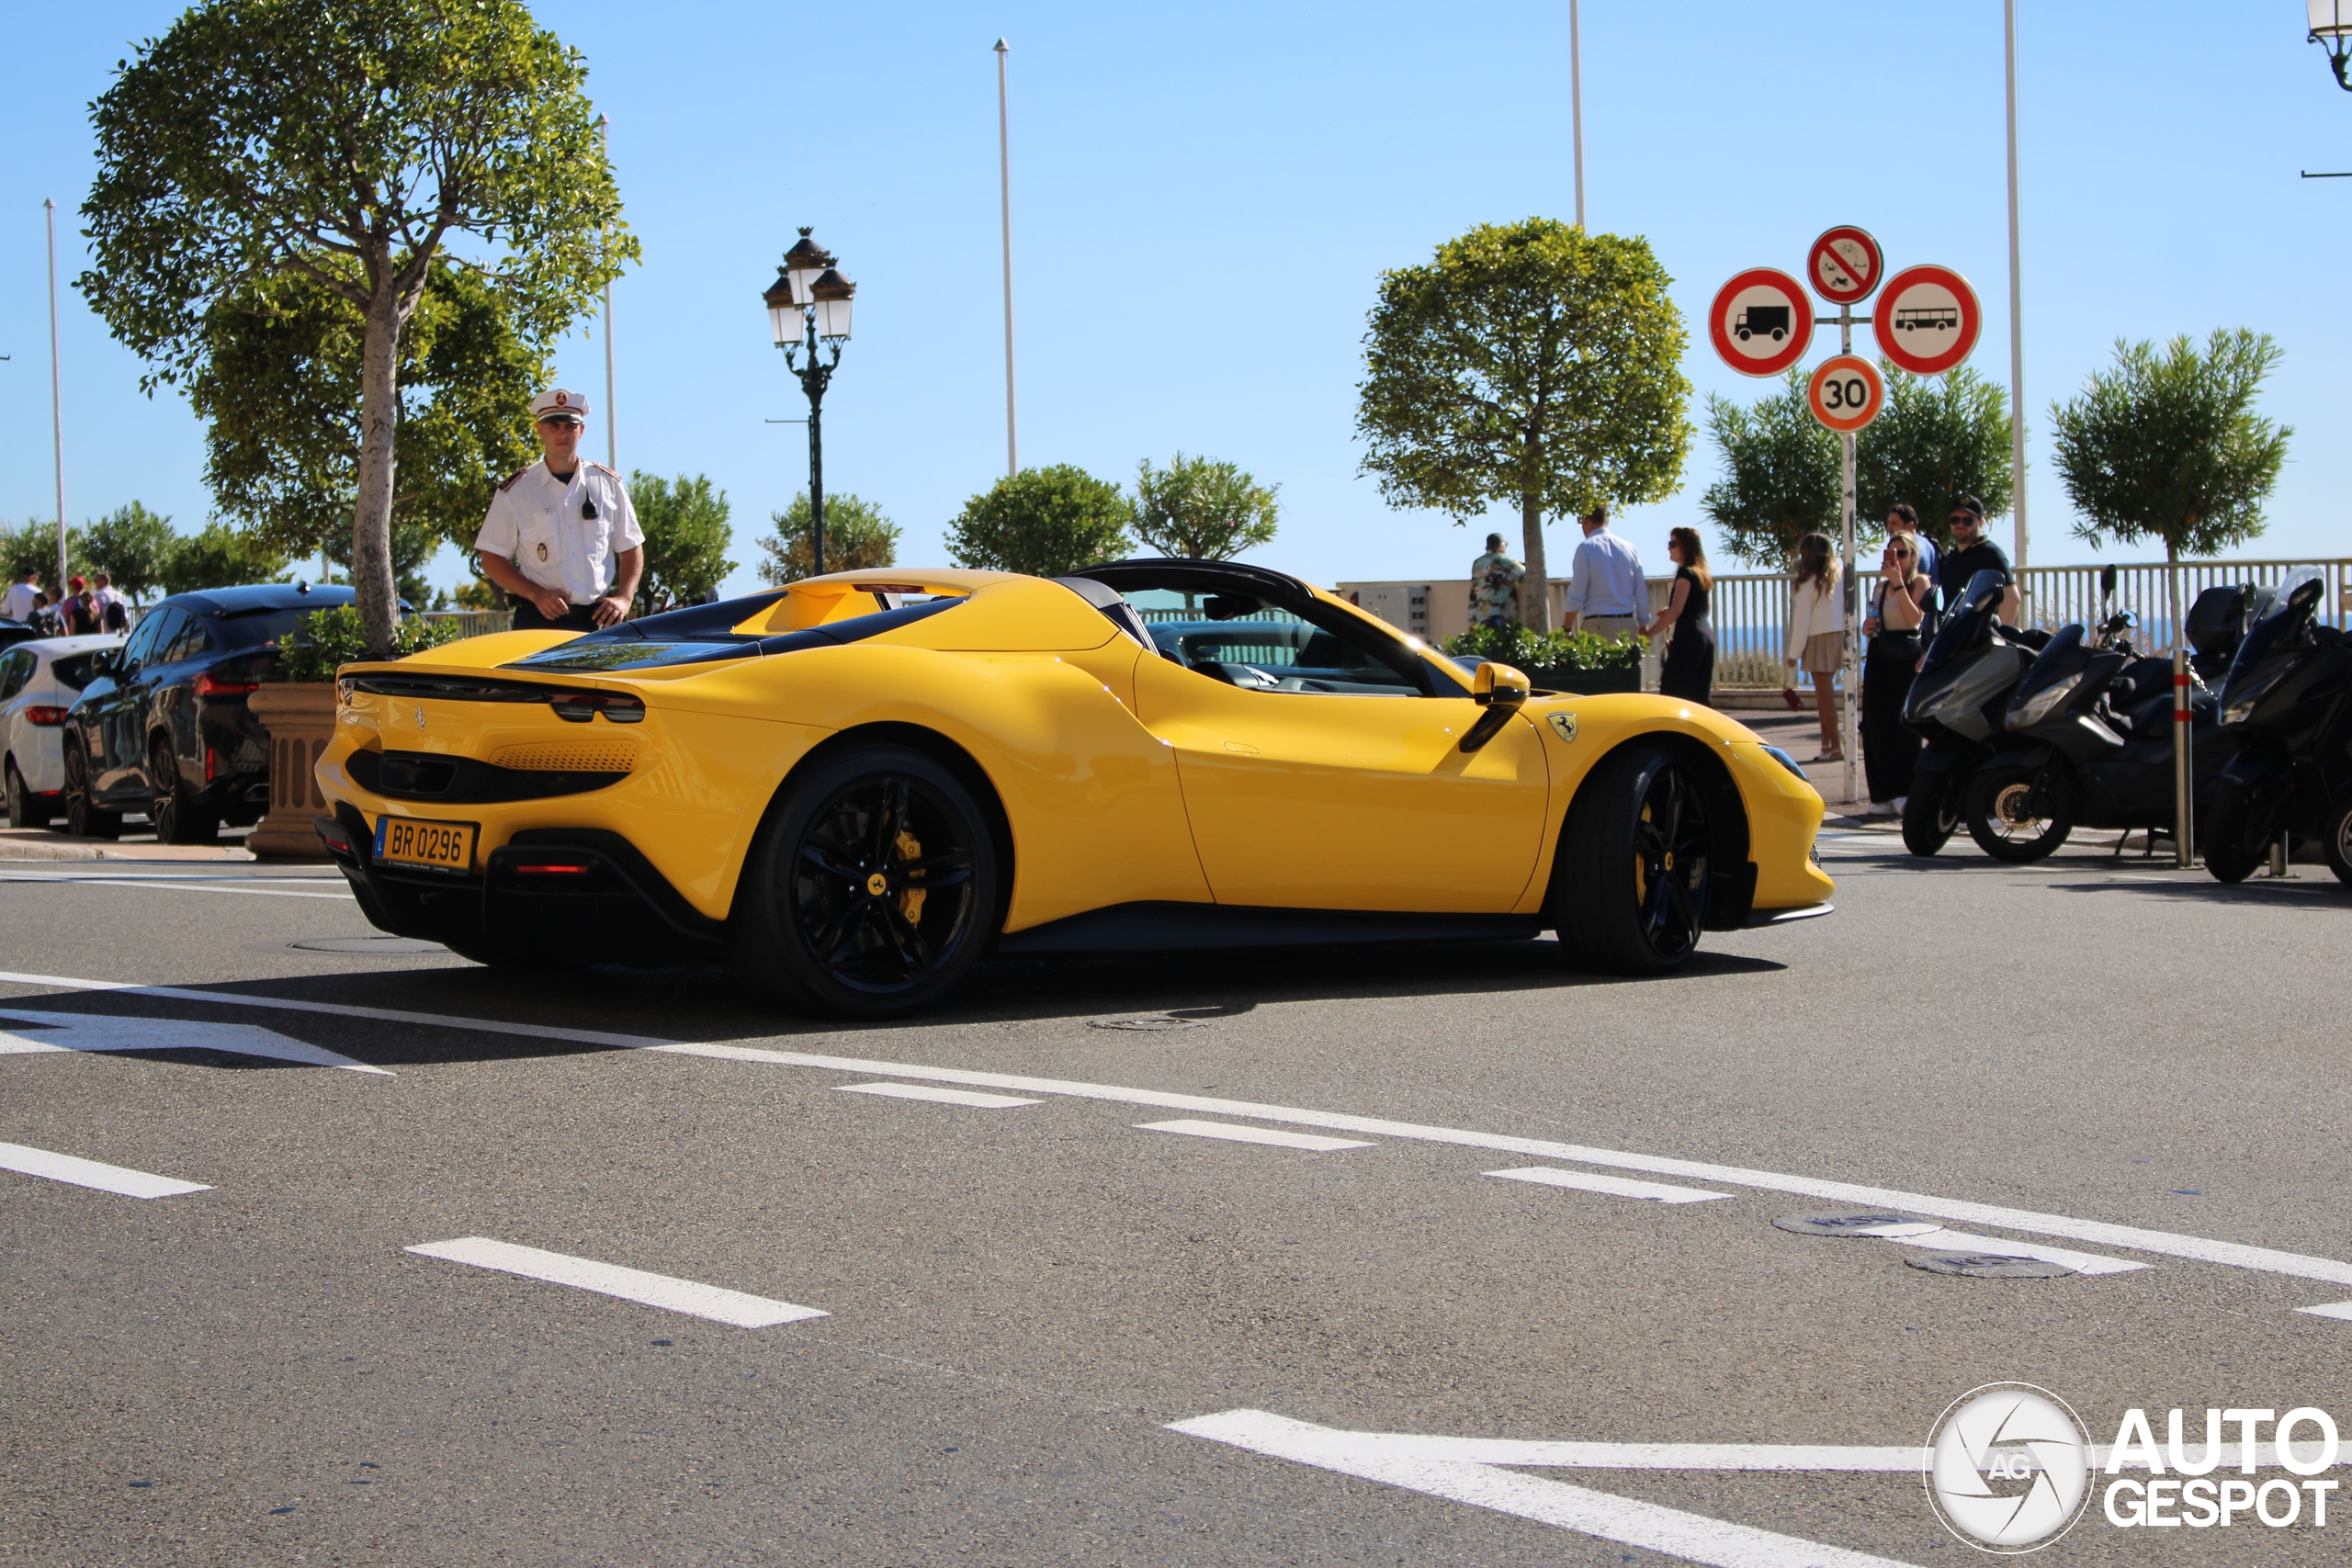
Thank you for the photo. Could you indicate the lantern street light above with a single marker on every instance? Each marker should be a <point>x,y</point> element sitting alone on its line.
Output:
<point>2332,27</point>
<point>808,304</point>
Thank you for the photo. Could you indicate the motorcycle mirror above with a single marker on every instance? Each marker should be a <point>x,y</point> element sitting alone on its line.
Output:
<point>2106,581</point>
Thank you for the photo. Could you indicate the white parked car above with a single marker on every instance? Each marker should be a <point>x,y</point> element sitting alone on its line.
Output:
<point>39,681</point>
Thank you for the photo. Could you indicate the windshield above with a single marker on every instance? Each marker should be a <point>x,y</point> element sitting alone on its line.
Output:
<point>1966,619</point>
<point>2063,658</point>
<point>2284,627</point>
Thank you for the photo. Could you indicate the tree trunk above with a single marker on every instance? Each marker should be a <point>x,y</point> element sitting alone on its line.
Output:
<point>372,517</point>
<point>1535,589</point>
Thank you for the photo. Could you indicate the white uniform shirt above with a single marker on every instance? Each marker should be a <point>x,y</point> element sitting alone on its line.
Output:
<point>545,527</point>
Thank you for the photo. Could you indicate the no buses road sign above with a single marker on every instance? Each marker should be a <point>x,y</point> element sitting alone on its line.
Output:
<point>1845,264</point>
<point>1846,393</point>
<point>1761,322</point>
<point>1926,319</point>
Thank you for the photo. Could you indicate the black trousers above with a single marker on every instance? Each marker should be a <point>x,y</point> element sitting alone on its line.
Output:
<point>528,618</point>
<point>1890,747</point>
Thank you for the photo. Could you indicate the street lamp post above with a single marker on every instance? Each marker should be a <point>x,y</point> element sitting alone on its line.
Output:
<point>807,305</point>
<point>2332,29</point>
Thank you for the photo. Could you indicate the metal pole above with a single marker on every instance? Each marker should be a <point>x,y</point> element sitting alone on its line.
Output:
<point>2016,296</point>
<point>1004,190</point>
<point>1848,735</point>
<point>1576,102</point>
<point>612,427</point>
<point>814,385</point>
<point>2184,822</point>
<point>56,397</point>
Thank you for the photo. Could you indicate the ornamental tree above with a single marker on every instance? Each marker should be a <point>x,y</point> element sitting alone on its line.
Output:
<point>1530,364</point>
<point>132,546</point>
<point>354,146</point>
<point>858,537</point>
<point>686,535</point>
<point>1200,509</point>
<point>1045,522</point>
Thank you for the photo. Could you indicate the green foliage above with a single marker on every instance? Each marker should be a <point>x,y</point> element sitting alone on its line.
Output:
<point>133,547</point>
<point>34,546</point>
<point>2167,445</point>
<point>325,641</point>
<point>1199,509</point>
<point>279,391</point>
<point>475,593</point>
<point>413,546</point>
<point>686,535</point>
<point>1783,481</point>
<point>1045,522</point>
<point>220,557</point>
<point>857,539</point>
<point>1526,649</point>
<point>1530,364</point>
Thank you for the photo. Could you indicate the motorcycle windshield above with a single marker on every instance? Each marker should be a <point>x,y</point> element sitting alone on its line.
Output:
<point>1967,620</point>
<point>2064,657</point>
<point>2283,629</point>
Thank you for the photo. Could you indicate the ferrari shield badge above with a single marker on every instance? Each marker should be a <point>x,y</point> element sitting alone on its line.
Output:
<point>1566,723</point>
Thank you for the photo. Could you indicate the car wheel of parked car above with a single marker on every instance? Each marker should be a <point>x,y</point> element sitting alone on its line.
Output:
<point>871,890</point>
<point>1630,894</point>
<point>25,810</point>
<point>83,817</point>
<point>179,820</point>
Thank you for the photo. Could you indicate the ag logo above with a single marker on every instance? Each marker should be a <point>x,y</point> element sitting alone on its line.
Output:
<point>1566,723</point>
<point>2007,1468</point>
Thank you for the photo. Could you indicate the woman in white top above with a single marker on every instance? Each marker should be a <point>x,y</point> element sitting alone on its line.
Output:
<point>1817,633</point>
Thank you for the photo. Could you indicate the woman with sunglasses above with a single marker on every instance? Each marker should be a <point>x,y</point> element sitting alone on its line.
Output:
<point>1898,608</point>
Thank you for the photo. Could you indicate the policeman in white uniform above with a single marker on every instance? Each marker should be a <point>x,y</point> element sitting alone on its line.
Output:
<point>562,537</point>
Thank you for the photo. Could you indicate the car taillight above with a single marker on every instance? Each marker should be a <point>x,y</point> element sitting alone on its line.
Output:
<point>206,686</point>
<point>554,868</point>
<point>581,706</point>
<point>48,718</point>
<point>211,763</point>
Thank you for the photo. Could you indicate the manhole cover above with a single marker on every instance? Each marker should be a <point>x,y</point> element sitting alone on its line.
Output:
<point>1987,1266</point>
<point>367,947</point>
<point>1148,1025</point>
<point>1856,1222</point>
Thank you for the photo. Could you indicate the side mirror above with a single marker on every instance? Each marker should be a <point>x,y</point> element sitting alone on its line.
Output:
<point>108,663</point>
<point>2106,581</point>
<point>1501,691</point>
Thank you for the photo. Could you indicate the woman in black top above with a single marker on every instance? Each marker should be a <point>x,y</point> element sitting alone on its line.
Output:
<point>1890,747</point>
<point>1689,671</point>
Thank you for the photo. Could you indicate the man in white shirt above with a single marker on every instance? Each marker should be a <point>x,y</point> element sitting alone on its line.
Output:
<point>562,537</point>
<point>18,604</point>
<point>1606,592</point>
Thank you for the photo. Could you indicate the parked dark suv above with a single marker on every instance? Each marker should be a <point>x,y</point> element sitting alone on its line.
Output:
<point>164,727</point>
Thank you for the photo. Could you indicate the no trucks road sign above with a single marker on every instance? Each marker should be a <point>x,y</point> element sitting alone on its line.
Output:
<point>1761,322</point>
<point>1845,264</point>
<point>1928,319</point>
<point>1846,393</point>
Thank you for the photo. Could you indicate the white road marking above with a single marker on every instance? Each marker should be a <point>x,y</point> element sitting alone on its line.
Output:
<point>2002,1247</point>
<point>2169,1244</point>
<point>712,1301</point>
<point>101,1031</point>
<point>2333,1309</point>
<point>1616,1186</point>
<point>1694,1537</point>
<point>92,1173</point>
<point>1227,1130</point>
<point>215,885</point>
<point>944,1096</point>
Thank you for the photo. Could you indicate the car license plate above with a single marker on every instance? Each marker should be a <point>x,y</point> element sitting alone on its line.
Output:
<point>444,846</point>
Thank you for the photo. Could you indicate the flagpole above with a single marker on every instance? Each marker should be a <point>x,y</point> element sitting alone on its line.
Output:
<point>2016,296</point>
<point>1004,189</point>
<point>1576,103</point>
<point>56,396</point>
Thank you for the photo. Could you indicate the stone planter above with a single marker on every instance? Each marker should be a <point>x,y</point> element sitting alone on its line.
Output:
<point>1587,682</point>
<point>300,717</point>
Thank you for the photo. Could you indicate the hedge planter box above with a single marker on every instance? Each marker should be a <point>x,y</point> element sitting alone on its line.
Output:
<point>1587,682</point>
<point>300,717</point>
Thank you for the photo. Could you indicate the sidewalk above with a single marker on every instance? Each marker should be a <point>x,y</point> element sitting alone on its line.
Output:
<point>52,843</point>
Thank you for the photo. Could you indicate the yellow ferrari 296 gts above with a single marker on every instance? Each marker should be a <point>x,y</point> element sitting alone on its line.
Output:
<point>852,788</point>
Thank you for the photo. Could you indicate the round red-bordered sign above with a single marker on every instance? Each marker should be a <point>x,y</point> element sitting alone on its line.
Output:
<point>1926,319</point>
<point>1761,322</point>
<point>1845,264</point>
<point>1846,393</point>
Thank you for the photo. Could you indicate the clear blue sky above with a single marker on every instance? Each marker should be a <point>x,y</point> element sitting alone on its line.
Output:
<point>1203,196</point>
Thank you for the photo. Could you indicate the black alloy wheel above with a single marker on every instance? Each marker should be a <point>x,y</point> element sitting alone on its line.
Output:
<point>2015,817</point>
<point>2338,841</point>
<point>2238,834</point>
<point>1637,865</point>
<point>872,889</point>
<point>25,810</point>
<point>83,817</point>
<point>1930,816</point>
<point>178,819</point>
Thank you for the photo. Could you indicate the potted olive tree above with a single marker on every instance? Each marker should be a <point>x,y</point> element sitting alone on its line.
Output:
<point>298,709</point>
<point>1583,663</point>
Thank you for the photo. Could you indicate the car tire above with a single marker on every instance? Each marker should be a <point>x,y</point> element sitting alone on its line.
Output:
<point>178,819</point>
<point>24,809</point>
<point>1629,889</point>
<point>83,817</point>
<point>1993,801</point>
<point>2237,835</point>
<point>1929,818</point>
<point>871,890</point>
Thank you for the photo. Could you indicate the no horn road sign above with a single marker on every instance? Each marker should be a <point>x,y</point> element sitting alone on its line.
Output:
<point>1926,319</point>
<point>1761,322</point>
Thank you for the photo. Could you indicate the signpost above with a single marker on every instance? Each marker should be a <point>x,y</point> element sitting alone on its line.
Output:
<point>1927,322</point>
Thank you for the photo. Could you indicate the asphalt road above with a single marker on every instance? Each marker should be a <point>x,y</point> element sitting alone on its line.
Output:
<point>1025,1299</point>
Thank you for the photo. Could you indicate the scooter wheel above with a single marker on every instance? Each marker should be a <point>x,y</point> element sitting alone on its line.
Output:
<point>1930,818</point>
<point>2339,842</point>
<point>2237,836</point>
<point>2009,824</point>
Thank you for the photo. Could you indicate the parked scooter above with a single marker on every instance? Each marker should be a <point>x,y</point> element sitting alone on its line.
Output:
<point>2288,700</point>
<point>1958,703</point>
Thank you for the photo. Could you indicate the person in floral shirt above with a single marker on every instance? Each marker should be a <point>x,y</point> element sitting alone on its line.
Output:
<point>1494,588</point>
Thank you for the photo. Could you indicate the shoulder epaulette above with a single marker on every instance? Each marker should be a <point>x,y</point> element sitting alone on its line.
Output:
<point>508,482</point>
<point>601,469</point>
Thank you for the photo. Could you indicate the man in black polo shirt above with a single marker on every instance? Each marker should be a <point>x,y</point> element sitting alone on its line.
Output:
<point>1970,553</point>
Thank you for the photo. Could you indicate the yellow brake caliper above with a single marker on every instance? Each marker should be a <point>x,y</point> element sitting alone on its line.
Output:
<point>911,901</point>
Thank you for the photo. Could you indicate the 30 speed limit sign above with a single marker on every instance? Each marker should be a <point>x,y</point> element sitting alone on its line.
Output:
<point>1846,393</point>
